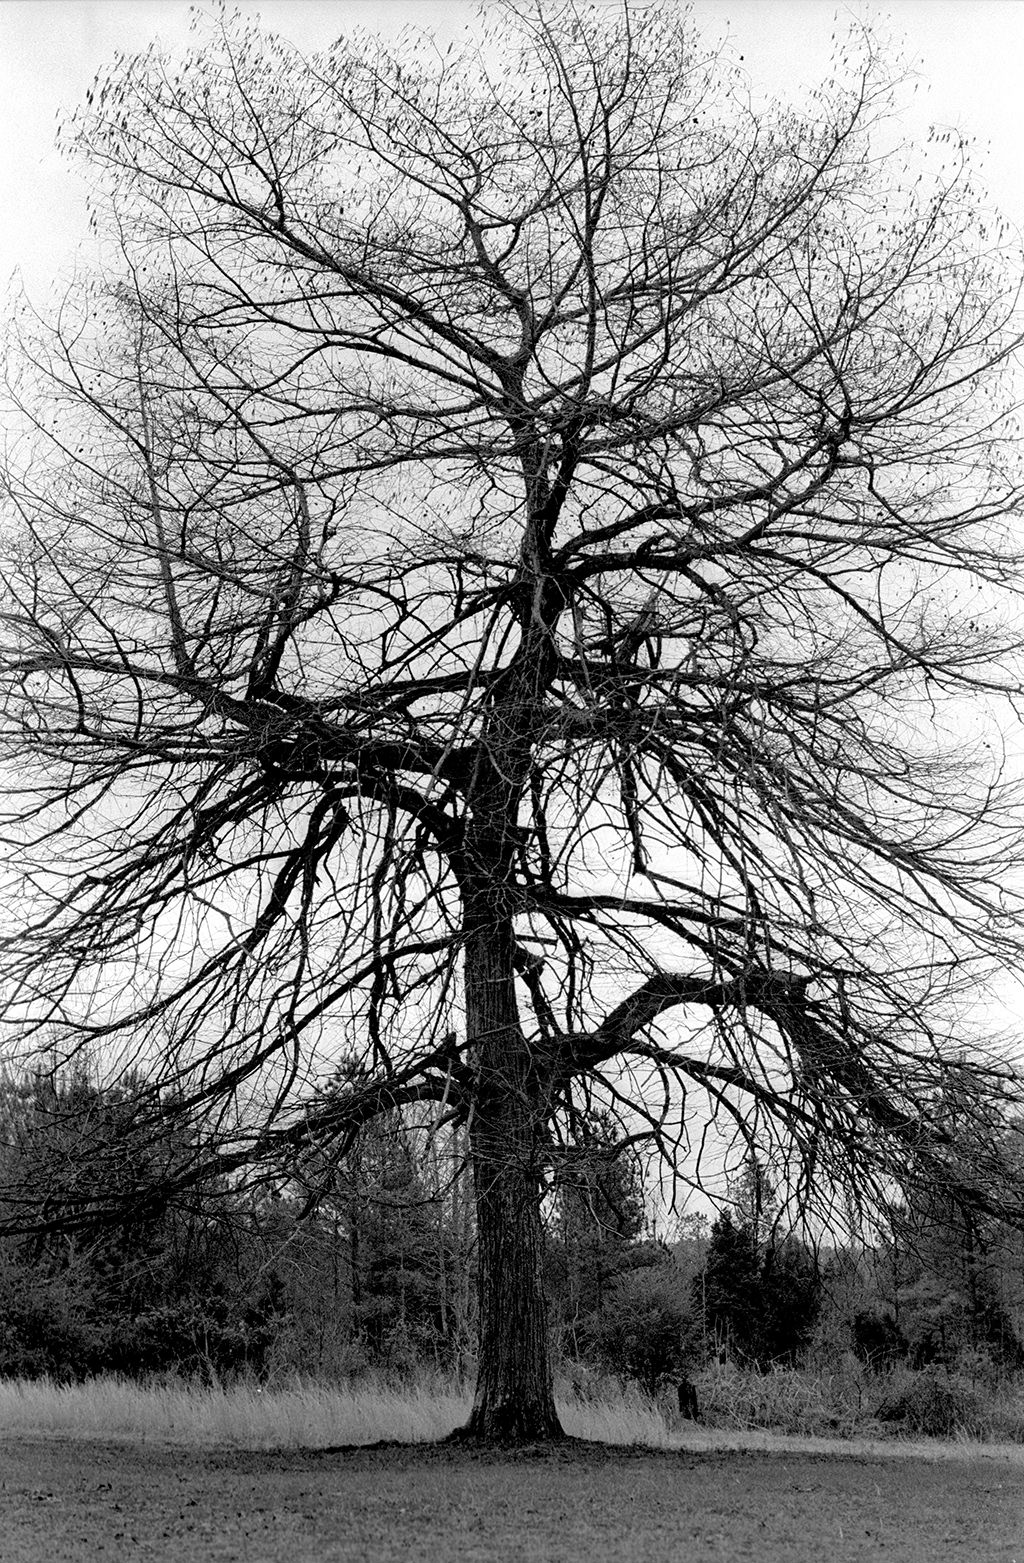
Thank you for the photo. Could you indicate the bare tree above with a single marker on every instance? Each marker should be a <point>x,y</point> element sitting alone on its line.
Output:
<point>507,584</point>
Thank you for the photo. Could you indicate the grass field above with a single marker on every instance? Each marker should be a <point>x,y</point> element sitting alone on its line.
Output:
<point>76,1501</point>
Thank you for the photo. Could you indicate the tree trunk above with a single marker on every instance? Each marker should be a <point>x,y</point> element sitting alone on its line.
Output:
<point>514,1400</point>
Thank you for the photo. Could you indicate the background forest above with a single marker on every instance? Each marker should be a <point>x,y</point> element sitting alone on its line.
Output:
<point>375,1275</point>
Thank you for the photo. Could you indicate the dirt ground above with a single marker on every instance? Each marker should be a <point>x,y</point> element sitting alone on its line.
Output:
<point>75,1502</point>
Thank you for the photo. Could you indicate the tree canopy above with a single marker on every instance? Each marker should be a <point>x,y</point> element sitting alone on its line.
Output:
<point>509,580</point>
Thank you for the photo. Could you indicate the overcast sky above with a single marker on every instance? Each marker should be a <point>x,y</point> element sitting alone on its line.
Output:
<point>970,55</point>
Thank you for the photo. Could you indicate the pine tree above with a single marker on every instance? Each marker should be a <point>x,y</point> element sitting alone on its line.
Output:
<point>731,1289</point>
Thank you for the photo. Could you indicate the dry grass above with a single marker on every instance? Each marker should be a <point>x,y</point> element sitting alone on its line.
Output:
<point>796,1411</point>
<point>306,1415</point>
<point>238,1415</point>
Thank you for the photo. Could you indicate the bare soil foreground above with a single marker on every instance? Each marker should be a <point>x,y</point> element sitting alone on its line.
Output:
<point>64,1501</point>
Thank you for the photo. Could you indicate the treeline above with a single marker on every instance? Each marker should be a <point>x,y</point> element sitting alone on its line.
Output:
<point>331,1271</point>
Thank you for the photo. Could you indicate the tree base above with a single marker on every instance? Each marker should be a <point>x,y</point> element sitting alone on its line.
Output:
<point>510,1426</point>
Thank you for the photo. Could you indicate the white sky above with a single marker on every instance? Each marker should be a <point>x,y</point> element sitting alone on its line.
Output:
<point>970,55</point>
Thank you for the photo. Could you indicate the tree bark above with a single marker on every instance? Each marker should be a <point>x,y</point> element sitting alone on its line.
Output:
<point>514,1401</point>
